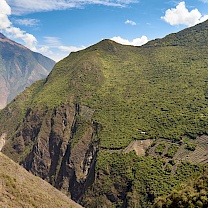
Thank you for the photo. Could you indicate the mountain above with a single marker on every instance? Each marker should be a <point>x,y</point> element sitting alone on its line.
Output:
<point>19,188</point>
<point>19,68</point>
<point>115,125</point>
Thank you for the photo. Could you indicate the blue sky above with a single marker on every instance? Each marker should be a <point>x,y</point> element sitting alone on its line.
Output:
<point>57,27</point>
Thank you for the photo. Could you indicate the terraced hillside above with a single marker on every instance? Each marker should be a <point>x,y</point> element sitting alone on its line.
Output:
<point>76,127</point>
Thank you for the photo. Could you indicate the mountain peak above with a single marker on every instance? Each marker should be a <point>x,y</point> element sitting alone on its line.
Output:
<point>3,38</point>
<point>106,45</point>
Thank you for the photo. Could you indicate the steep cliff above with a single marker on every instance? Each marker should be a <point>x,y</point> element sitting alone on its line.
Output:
<point>58,145</point>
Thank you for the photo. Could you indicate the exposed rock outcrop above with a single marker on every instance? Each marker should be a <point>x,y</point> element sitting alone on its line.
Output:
<point>62,145</point>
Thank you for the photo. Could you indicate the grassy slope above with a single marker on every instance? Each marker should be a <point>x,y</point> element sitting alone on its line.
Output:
<point>19,188</point>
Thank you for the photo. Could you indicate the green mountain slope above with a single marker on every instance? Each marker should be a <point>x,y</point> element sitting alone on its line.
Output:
<point>153,90</point>
<point>20,188</point>
<point>19,68</point>
<point>74,127</point>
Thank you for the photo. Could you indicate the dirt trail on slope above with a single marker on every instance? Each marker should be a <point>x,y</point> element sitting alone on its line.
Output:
<point>139,146</point>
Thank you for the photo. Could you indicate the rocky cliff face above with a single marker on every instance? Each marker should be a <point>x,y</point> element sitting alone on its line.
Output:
<point>62,145</point>
<point>19,68</point>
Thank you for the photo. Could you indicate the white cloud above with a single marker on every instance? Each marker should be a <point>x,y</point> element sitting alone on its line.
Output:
<point>27,22</point>
<point>7,27</point>
<point>70,48</point>
<point>56,56</point>
<point>44,49</point>
<point>29,6</point>
<point>134,42</point>
<point>52,41</point>
<point>181,15</point>
<point>29,40</point>
<point>5,11</point>
<point>5,8</point>
<point>53,48</point>
<point>58,53</point>
<point>55,42</point>
<point>130,22</point>
<point>205,1</point>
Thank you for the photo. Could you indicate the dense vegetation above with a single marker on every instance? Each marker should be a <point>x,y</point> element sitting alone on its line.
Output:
<point>172,150</point>
<point>191,194</point>
<point>126,180</point>
<point>163,97</point>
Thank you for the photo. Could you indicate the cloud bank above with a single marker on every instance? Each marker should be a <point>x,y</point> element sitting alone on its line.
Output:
<point>134,42</point>
<point>30,6</point>
<point>181,16</point>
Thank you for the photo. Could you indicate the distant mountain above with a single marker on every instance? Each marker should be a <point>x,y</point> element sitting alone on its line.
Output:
<point>114,125</point>
<point>19,68</point>
<point>19,188</point>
